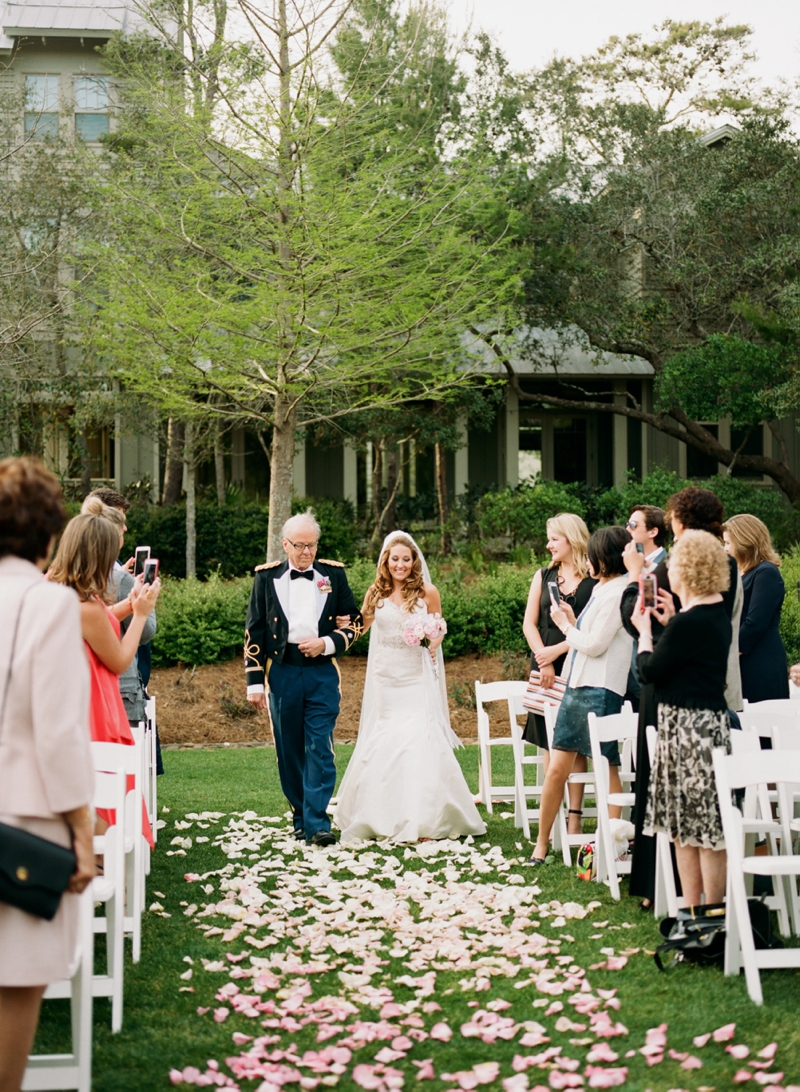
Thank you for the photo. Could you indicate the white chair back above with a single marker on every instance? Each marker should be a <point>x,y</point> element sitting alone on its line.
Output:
<point>485,694</point>
<point>621,728</point>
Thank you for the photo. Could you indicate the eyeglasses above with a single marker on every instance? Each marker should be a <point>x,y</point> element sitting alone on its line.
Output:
<point>632,523</point>
<point>303,547</point>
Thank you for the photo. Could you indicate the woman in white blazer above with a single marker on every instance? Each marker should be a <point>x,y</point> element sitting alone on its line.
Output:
<point>597,674</point>
<point>46,773</point>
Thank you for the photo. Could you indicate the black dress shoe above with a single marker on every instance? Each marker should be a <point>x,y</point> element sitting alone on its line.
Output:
<point>299,834</point>
<point>322,839</point>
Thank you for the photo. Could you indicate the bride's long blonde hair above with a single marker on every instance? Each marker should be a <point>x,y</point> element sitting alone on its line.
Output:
<point>413,585</point>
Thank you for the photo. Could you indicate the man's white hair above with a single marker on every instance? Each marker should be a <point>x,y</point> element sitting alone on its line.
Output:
<point>302,519</point>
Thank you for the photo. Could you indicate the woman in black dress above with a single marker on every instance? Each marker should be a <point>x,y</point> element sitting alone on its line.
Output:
<point>688,671</point>
<point>567,539</point>
<point>762,656</point>
<point>690,509</point>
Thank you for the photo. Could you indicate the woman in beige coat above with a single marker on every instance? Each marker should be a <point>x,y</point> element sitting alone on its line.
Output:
<point>46,774</point>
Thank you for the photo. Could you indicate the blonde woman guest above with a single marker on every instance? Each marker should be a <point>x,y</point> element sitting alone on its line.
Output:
<point>85,558</point>
<point>567,540</point>
<point>46,778</point>
<point>762,656</point>
<point>403,782</point>
<point>688,671</point>
<point>598,675</point>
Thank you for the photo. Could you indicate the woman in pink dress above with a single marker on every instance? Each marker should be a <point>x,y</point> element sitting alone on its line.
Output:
<point>85,557</point>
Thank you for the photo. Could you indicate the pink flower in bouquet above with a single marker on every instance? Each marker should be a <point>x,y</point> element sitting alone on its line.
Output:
<point>411,638</point>
<point>421,631</point>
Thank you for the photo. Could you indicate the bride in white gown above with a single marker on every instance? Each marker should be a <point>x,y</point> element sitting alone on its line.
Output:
<point>403,782</point>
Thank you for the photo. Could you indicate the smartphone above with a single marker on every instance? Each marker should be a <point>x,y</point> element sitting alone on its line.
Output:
<point>142,554</point>
<point>555,594</point>
<point>649,589</point>
<point>151,567</point>
<point>639,548</point>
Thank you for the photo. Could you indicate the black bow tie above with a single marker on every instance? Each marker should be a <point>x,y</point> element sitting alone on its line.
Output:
<point>306,574</point>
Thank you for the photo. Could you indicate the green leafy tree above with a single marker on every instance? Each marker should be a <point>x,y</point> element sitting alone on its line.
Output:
<point>269,259</point>
<point>659,246</point>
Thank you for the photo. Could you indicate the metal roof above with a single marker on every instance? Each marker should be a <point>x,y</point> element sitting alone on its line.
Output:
<point>552,353</point>
<point>65,19</point>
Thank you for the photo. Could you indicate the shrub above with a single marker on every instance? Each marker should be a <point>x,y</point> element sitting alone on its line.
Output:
<point>232,539</point>
<point>200,623</point>
<point>790,615</point>
<point>520,515</point>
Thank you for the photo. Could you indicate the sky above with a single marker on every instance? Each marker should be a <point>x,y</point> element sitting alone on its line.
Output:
<point>532,31</point>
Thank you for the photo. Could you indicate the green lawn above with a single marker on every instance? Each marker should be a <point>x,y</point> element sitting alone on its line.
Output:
<point>465,903</point>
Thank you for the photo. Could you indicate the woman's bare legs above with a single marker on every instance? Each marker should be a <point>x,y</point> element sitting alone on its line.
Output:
<point>701,870</point>
<point>575,795</point>
<point>561,764</point>
<point>19,1015</point>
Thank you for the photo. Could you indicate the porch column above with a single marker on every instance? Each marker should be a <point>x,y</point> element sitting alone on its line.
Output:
<point>350,474</point>
<point>620,435</point>
<point>511,452</point>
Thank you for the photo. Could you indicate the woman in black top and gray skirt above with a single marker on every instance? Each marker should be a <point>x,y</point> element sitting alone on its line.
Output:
<point>567,539</point>
<point>688,672</point>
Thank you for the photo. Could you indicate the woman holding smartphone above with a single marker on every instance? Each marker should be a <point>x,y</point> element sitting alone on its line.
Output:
<point>566,579</point>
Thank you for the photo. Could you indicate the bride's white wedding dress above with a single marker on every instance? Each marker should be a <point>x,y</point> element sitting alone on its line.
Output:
<point>403,781</point>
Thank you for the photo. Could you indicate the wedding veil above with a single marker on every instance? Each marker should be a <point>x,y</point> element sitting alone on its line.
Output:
<point>434,681</point>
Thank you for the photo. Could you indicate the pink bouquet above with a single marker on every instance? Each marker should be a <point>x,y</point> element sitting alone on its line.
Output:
<point>421,629</point>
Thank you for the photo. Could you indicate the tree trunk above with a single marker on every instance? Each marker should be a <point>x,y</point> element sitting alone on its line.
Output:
<point>191,508</point>
<point>86,463</point>
<point>392,485</point>
<point>173,471</point>
<point>281,475</point>
<point>377,484</point>
<point>219,465</point>
<point>441,493</point>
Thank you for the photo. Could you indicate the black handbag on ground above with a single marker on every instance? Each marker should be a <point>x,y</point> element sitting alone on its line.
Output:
<point>34,872</point>
<point>697,935</point>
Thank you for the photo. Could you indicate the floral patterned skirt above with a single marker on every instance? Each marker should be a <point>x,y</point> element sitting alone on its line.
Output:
<point>683,792</point>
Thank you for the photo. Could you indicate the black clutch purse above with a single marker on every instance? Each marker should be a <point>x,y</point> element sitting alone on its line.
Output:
<point>34,872</point>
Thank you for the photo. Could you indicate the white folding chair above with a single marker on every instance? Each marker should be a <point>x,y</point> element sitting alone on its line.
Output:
<point>740,771</point>
<point>74,1070</point>
<point>150,727</point>
<point>109,889</point>
<point>562,839</point>
<point>523,812</point>
<point>665,900</point>
<point>621,728</point>
<point>111,756</point>
<point>764,717</point>
<point>484,694</point>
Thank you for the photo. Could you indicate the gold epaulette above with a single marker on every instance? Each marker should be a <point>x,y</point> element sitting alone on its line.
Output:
<point>267,565</point>
<point>327,561</point>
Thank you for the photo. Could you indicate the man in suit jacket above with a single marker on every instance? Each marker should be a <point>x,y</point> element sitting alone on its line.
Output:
<point>292,639</point>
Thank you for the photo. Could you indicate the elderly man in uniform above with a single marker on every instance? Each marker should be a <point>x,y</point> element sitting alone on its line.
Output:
<point>292,638</point>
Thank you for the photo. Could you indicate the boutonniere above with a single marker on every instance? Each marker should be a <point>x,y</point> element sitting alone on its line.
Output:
<point>324,585</point>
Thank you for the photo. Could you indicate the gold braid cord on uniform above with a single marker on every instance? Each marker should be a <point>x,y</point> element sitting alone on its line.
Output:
<point>251,652</point>
<point>351,633</point>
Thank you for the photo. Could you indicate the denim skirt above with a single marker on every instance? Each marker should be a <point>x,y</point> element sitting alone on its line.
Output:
<point>571,732</point>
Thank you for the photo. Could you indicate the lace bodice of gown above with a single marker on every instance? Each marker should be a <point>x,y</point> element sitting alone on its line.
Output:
<point>392,656</point>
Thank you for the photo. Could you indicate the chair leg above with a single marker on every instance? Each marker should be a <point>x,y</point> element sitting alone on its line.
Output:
<point>115,944</point>
<point>738,908</point>
<point>81,998</point>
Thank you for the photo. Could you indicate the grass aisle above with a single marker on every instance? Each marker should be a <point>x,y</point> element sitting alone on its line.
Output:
<point>376,969</point>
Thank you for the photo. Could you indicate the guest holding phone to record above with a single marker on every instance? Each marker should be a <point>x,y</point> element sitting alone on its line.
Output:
<point>566,579</point>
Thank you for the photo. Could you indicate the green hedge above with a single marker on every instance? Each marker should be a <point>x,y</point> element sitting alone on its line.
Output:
<point>790,615</point>
<point>200,622</point>
<point>232,539</point>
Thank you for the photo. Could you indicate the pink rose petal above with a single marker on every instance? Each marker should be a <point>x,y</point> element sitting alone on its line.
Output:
<point>738,1051</point>
<point>606,1078</point>
<point>240,1039</point>
<point>692,1063</point>
<point>724,1034</point>
<point>769,1051</point>
<point>442,1031</point>
<point>221,1014</point>
<point>425,1070</point>
<point>741,1076</point>
<point>701,1040</point>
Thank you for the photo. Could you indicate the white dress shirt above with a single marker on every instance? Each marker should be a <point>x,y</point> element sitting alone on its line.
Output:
<point>301,614</point>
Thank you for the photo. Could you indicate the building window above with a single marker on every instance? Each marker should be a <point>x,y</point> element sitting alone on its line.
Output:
<point>41,107</point>
<point>570,449</point>
<point>698,464</point>
<point>530,447</point>
<point>91,107</point>
<point>753,445</point>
